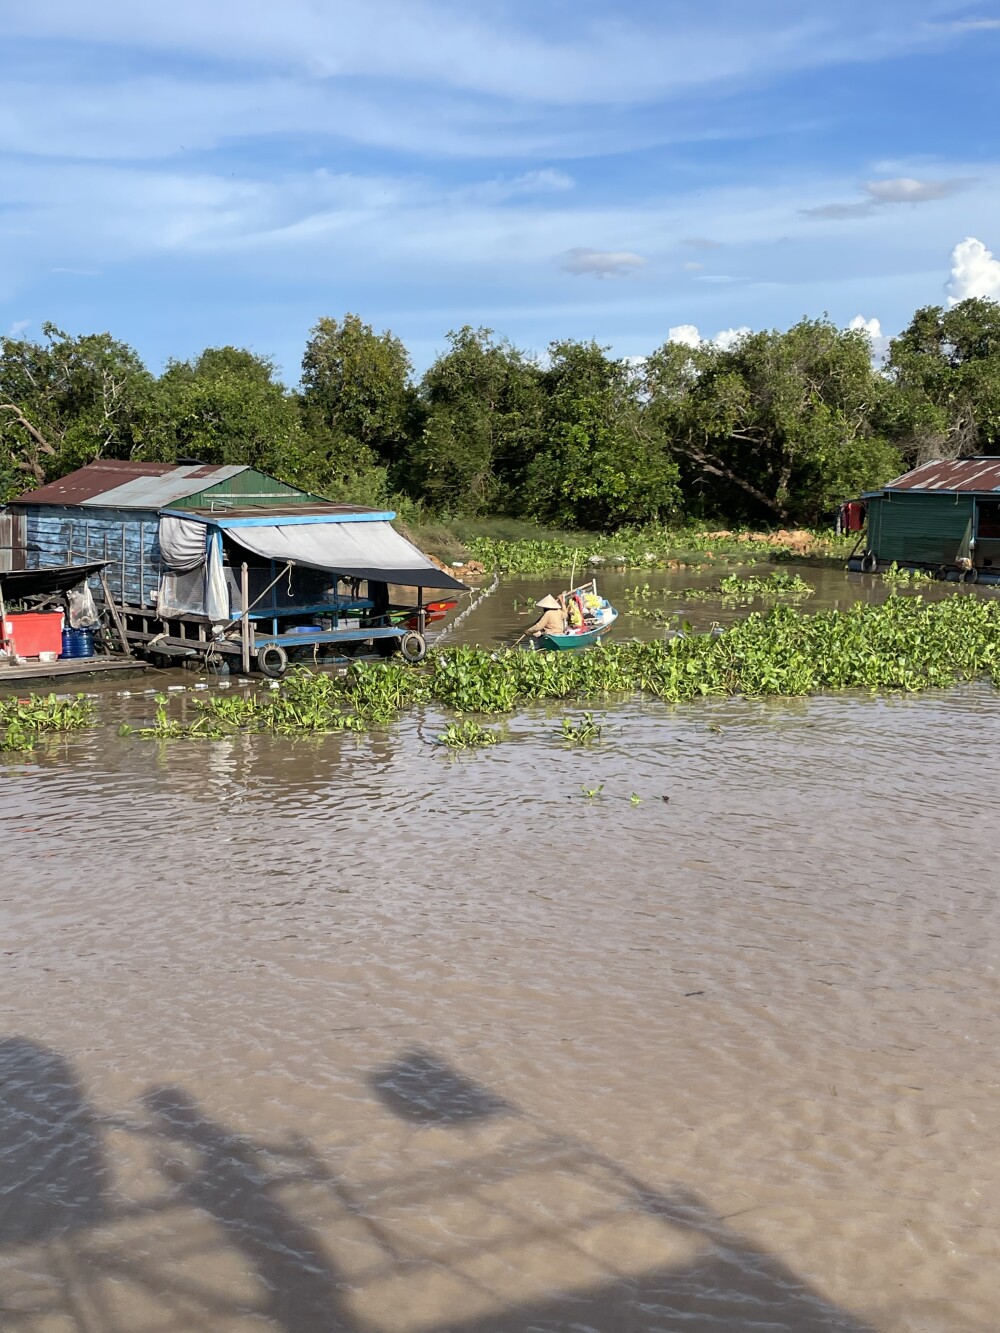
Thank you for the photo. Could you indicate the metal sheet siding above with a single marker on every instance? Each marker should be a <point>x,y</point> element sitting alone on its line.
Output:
<point>874,523</point>
<point>126,538</point>
<point>248,487</point>
<point>924,529</point>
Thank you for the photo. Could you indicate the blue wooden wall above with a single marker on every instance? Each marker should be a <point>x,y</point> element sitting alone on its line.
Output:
<point>65,534</point>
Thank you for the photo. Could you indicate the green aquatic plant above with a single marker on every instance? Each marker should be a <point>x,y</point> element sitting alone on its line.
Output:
<point>905,644</point>
<point>47,713</point>
<point>17,738</point>
<point>377,691</point>
<point>467,735</point>
<point>898,577</point>
<point>23,721</point>
<point>649,546</point>
<point>779,583</point>
<point>635,798</point>
<point>591,793</point>
<point>584,732</point>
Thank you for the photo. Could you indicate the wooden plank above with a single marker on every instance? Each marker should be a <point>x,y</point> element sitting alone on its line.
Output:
<point>74,666</point>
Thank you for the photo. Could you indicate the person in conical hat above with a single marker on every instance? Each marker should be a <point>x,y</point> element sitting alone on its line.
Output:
<point>551,621</point>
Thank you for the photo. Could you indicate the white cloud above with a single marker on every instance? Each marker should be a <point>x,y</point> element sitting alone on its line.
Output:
<point>499,51</point>
<point>974,272</point>
<point>730,338</point>
<point>909,190</point>
<point>688,336</point>
<point>872,328</point>
<point>692,266</point>
<point>545,181</point>
<point>701,243</point>
<point>601,263</point>
<point>18,327</point>
<point>685,334</point>
<point>973,25</point>
<point>895,190</point>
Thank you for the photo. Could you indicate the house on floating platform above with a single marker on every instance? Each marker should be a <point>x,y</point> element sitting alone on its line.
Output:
<point>942,516</point>
<point>227,562</point>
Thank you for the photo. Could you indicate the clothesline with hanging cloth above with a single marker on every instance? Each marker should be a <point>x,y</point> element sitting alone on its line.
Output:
<point>365,550</point>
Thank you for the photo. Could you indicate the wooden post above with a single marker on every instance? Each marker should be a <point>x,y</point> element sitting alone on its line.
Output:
<point>123,565</point>
<point>245,617</point>
<point>421,613</point>
<point>119,623</point>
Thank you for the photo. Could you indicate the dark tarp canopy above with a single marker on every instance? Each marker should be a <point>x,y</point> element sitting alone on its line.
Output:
<point>18,583</point>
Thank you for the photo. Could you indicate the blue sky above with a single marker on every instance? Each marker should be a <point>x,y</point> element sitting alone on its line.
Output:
<point>214,171</point>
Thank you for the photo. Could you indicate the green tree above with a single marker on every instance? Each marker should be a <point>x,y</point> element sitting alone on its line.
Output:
<point>226,406</point>
<point>946,366</point>
<point>70,399</point>
<point>604,461</point>
<point>358,405</point>
<point>781,426</point>
<point>482,402</point>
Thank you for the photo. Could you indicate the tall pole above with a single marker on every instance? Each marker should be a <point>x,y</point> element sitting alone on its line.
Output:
<point>245,617</point>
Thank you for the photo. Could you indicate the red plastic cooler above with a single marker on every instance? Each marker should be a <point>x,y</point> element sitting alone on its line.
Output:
<point>34,632</point>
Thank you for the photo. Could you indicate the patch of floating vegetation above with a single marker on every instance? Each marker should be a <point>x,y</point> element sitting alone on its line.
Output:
<point>23,721</point>
<point>655,547</point>
<point>906,644</point>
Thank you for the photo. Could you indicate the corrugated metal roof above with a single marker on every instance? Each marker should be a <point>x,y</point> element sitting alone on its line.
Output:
<point>122,484</point>
<point>964,474</point>
<point>320,508</point>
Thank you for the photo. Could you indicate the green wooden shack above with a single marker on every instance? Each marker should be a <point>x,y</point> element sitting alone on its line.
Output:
<point>942,516</point>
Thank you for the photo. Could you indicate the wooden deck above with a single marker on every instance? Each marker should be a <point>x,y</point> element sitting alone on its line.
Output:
<point>71,666</point>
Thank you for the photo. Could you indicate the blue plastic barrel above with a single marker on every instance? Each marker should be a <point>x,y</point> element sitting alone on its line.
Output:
<point>77,643</point>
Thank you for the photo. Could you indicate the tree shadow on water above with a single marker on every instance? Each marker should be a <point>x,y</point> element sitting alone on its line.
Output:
<point>53,1171</point>
<point>520,1229</point>
<point>724,1283</point>
<point>229,1182</point>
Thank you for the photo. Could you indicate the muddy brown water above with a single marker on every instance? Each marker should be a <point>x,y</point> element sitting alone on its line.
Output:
<point>352,1034</point>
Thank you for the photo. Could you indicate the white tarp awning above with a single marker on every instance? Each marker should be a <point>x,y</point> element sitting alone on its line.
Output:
<point>368,550</point>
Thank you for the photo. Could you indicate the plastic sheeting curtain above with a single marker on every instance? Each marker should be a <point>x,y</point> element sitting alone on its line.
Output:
<point>182,543</point>
<point>194,582</point>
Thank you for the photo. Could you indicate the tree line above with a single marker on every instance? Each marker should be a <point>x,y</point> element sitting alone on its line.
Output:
<point>778,428</point>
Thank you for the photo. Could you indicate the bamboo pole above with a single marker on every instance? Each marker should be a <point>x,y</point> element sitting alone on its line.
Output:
<point>245,617</point>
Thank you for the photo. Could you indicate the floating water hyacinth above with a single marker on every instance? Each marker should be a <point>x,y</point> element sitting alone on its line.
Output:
<point>905,644</point>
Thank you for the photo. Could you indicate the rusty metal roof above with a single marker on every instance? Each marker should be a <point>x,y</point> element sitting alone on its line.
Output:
<point>964,474</point>
<point>122,484</point>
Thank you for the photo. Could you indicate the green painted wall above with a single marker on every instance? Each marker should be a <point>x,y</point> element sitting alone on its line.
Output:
<point>249,487</point>
<point>920,529</point>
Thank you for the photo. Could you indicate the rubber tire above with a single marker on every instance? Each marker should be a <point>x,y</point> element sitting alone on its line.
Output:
<point>869,563</point>
<point>971,575</point>
<point>413,646</point>
<point>274,669</point>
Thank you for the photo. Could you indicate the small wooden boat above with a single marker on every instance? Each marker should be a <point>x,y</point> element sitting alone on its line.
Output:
<point>597,616</point>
